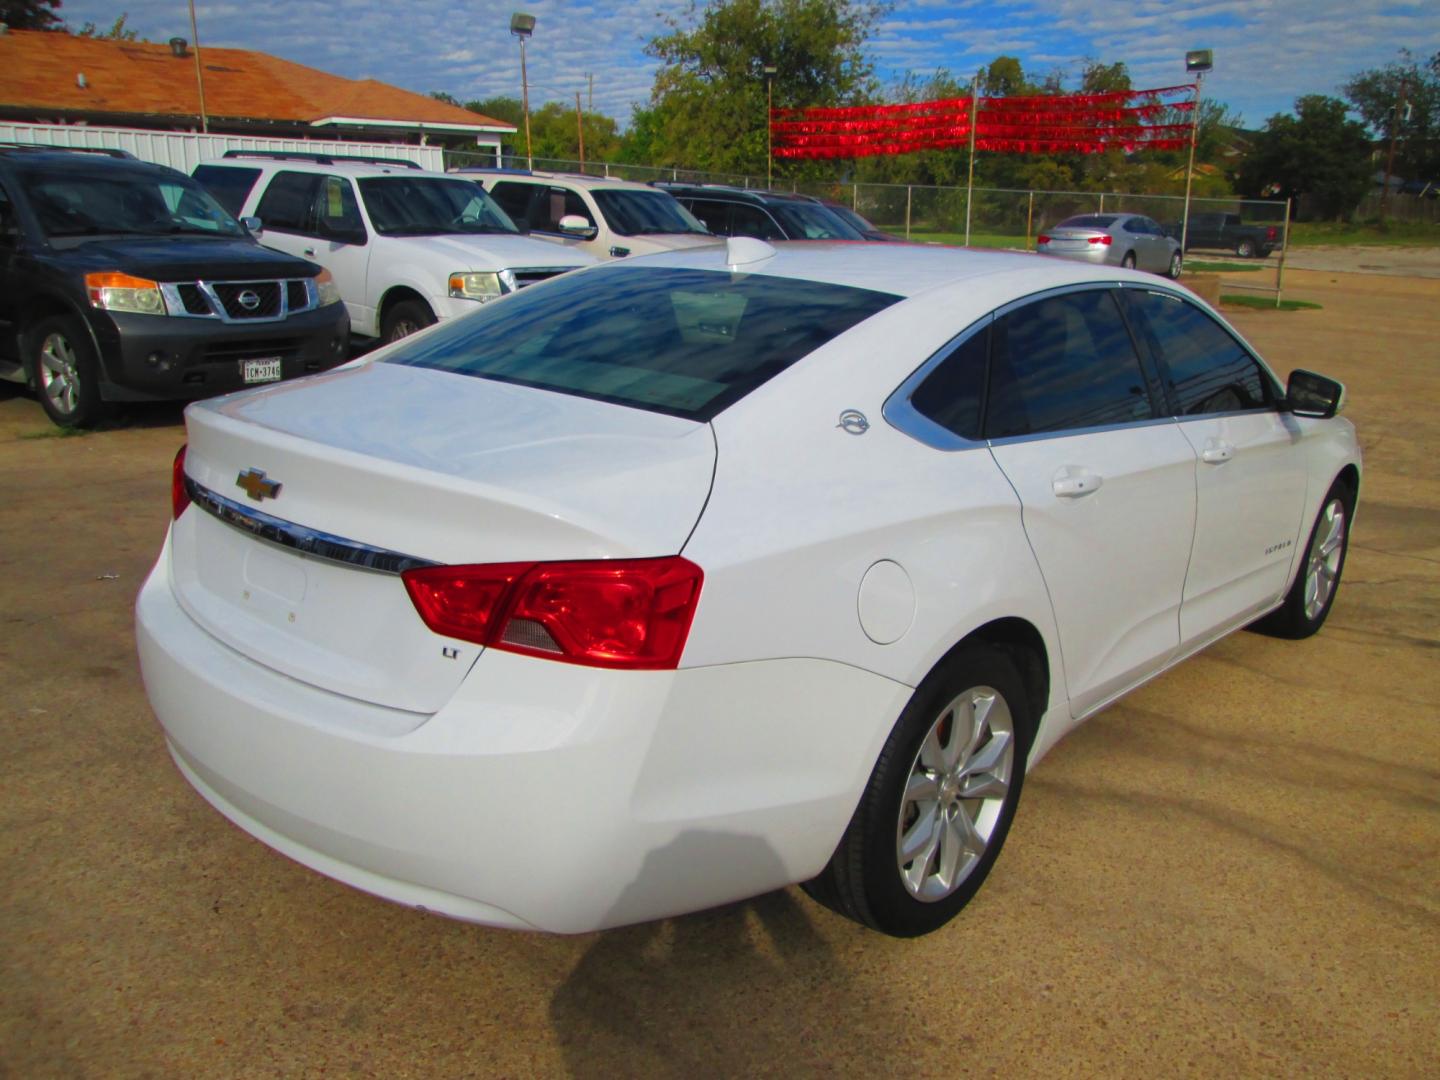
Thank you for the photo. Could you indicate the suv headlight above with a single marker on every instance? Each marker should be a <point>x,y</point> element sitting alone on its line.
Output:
<point>326,291</point>
<point>482,287</point>
<point>115,291</point>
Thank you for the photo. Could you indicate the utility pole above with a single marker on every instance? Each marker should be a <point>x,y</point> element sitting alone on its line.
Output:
<point>1190,167</point>
<point>522,26</point>
<point>590,97</point>
<point>199,78</point>
<point>580,129</point>
<point>1390,160</point>
<point>769,70</point>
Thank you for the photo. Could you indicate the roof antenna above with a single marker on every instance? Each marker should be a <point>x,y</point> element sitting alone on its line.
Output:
<point>746,250</point>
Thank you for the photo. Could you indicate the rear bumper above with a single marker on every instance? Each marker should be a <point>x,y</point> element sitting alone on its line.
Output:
<point>148,357</point>
<point>543,795</point>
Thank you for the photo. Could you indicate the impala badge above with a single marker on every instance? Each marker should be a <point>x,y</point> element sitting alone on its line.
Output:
<point>254,484</point>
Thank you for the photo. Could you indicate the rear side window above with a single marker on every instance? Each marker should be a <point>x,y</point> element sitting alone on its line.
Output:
<point>713,215</point>
<point>1062,363</point>
<point>951,395</point>
<point>683,342</point>
<point>288,201</point>
<point>1204,368</point>
<point>228,186</point>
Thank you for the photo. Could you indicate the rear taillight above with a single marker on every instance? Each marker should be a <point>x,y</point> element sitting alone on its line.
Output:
<point>179,497</point>
<point>615,613</point>
<point>1100,240</point>
<point>1271,233</point>
<point>1042,239</point>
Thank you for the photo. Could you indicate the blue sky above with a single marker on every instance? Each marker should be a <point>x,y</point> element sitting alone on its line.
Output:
<point>1267,52</point>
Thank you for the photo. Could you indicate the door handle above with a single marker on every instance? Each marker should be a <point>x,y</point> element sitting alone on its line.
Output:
<point>309,251</point>
<point>1074,483</point>
<point>1217,453</point>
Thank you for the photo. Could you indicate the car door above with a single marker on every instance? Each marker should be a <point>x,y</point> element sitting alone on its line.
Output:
<point>1105,480</point>
<point>9,286</point>
<point>341,244</point>
<point>1250,477</point>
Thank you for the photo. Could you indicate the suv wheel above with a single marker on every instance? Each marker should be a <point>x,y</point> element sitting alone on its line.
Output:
<point>1245,249</point>
<point>63,362</point>
<point>404,319</point>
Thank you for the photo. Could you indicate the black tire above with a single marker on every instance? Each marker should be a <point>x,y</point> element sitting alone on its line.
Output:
<point>1292,619</point>
<point>405,318</point>
<point>865,879</point>
<point>66,371</point>
<point>1128,262</point>
<point>1245,249</point>
<point>1177,262</point>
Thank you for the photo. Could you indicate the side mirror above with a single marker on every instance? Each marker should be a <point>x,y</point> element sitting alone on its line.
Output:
<point>253,225</point>
<point>575,225</point>
<point>1309,394</point>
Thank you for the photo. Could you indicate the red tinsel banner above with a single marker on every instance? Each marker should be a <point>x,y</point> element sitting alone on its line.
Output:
<point>1073,124</point>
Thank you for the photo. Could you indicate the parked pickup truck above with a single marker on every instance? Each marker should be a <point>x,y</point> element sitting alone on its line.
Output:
<point>1228,232</point>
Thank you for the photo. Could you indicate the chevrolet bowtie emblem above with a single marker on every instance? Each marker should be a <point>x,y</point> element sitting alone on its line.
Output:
<point>256,486</point>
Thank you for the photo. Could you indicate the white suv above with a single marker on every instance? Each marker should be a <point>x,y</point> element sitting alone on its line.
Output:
<point>406,247</point>
<point>607,218</point>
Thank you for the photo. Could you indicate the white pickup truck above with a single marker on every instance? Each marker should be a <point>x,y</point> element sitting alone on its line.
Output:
<point>406,247</point>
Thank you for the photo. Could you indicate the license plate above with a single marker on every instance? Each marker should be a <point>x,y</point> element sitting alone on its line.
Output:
<point>256,371</point>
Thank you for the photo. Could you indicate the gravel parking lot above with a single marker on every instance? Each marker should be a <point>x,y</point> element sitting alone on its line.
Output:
<point>1236,871</point>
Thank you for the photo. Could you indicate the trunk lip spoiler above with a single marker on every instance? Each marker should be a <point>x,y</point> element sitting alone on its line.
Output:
<point>301,539</point>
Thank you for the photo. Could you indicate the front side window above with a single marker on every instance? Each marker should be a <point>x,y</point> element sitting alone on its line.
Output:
<point>1204,368</point>
<point>337,214</point>
<point>752,221</point>
<point>287,203</point>
<point>428,206</point>
<point>632,213</point>
<point>1062,363</point>
<point>74,204</point>
<point>715,216</point>
<point>513,198</point>
<point>683,342</point>
<point>229,186</point>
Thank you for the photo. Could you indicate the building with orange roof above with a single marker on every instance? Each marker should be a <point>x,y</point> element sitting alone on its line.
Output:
<point>58,78</point>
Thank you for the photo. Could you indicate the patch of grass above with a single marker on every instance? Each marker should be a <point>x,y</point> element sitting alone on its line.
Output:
<point>1202,267</point>
<point>1393,233</point>
<point>977,239</point>
<point>54,433</point>
<point>1266,304</point>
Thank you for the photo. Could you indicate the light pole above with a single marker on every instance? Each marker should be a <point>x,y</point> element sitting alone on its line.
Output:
<point>769,70</point>
<point>522,26</point>
<point>1197,62</point>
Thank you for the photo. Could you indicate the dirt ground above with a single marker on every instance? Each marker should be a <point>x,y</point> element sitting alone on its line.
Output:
<point>1236,871</point>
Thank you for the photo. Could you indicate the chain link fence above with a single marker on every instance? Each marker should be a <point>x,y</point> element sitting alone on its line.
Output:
<point>998,217</point>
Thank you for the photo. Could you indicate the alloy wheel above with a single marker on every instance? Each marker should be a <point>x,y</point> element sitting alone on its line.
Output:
<point>59,377</point>
<point>1322,564</point>
<point>956,791</point>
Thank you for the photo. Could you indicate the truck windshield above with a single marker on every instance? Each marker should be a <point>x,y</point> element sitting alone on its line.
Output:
<point>687,343</point>
<point>431,206</point>
<point>631,213</point>
<point>76,204</point>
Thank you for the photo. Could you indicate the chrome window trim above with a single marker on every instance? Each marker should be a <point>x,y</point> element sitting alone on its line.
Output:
<point>175,306</point>
<point>299,539</point>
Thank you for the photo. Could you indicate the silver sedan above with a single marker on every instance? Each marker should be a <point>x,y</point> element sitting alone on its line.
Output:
<point>1129,240</point>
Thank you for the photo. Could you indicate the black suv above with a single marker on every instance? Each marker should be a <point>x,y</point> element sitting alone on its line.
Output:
<point>125,281</point>
<point>766,215</point>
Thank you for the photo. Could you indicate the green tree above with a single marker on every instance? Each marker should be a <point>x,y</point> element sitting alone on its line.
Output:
<point>31,14</point>
<point>1101,78</point>
<point>1375,95</point>
<point>709,94</point>
<point>1318,152</point>
<point>117,31</point>
<point>1004,77</point>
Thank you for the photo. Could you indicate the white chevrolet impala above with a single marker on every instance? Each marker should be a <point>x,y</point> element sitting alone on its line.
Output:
<point>673,581</point>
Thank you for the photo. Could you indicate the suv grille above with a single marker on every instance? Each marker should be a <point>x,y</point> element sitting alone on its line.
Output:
<point>249,299</point>
<point>218,351</point>
<point>194,300</point>
<point>297,298</point>
<point>530,275</point>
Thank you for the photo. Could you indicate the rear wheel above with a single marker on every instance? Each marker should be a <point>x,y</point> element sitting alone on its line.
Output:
<point>1128,262</point>
<point>1318,580</point>
<point>405,318</point>
<point>939,802</point>
<point>1176,261</point>
<point>1245,249</point>
<point>66,371</point>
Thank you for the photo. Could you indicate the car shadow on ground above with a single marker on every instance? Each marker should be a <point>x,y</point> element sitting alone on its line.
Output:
<point>679,997</point>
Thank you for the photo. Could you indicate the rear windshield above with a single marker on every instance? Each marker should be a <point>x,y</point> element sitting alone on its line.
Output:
<point>683,342</point>
<point>1088,221</point>
<point>631,213</point>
